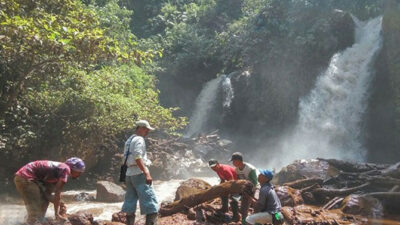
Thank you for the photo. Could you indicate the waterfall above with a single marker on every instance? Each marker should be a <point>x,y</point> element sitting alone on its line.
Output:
<point>206,101</point>
<point>228,92</point>
<point>330,117</point>
<point>203,106</point>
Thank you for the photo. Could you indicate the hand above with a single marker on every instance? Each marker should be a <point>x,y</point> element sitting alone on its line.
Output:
<point>60,217</point>
<point>149,180</point>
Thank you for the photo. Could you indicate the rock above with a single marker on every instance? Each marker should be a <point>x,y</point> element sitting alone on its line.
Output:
<point>364,206</point>
<point>289,196</point>
<point>106,222</point>
<point>191,186</point>
<point>301,169</point>
<point>109,192</point>
<point>81,219</point>
<point>83,196</point>
<point>119,217</point>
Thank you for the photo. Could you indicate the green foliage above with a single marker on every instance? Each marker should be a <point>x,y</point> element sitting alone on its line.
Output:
<point>70,79</point>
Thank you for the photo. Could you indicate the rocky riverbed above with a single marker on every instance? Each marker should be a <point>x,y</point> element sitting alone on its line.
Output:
<point>311,191</point>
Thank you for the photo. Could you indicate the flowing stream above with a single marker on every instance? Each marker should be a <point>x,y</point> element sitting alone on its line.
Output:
<point>14,213</point>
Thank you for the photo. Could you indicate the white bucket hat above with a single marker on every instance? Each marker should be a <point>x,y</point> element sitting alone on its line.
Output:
<point>144,123</point>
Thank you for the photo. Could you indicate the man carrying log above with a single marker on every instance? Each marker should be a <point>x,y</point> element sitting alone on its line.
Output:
<point>268,205</point>
<point>226,173</point>
<point>138,178</point>
<point>245,171</point>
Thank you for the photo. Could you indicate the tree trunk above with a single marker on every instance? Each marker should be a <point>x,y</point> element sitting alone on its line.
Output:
<point>224,189</point>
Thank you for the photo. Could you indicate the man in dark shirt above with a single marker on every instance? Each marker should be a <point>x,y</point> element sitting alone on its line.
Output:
<point>268,203</point>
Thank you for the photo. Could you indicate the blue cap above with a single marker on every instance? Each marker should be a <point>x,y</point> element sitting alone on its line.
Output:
<point>267,173</point>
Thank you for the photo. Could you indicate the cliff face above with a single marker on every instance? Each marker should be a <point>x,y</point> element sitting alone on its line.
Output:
<point>383,126</point>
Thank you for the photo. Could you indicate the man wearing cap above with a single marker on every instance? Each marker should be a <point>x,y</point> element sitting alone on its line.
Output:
<point>138,178</point>
<point>268,205</point>
<point>37,181</point>
<point>225,173</point>
<point>245,171</point>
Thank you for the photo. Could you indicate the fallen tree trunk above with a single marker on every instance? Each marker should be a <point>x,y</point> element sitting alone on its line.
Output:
<point>224,189</point>
<point>299,184</point>
<point>354,167</point>
<point>322,192</point>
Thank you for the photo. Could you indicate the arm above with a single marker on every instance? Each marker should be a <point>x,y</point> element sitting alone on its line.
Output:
<point>57,199</point>
<point>253,177</point>
<point>260,204</point>
<point>144,169</point>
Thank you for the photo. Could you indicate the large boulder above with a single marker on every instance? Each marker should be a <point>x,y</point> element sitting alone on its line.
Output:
<point>301,169</point>
<point>190,187</point>
<point>109,192</point>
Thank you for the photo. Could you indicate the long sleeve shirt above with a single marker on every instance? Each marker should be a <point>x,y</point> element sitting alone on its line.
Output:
<point>268,200</point>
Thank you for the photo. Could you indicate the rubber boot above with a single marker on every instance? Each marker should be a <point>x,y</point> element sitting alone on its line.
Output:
<point>235,211</point>
<point>130,219</point>
<point>151,219</point>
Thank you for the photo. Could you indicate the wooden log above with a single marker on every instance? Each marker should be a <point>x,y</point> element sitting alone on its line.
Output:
<point>298,184</point>
<point>354,167</point>
<point>395,188</point>
<point>332,203</point>
<point>312,187</point>
<point>224,189</point>
<point>337,192</point>
<point>386,196</point>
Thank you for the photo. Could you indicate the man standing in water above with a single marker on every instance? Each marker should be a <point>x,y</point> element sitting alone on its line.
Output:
<point>36,181</point>
<point>138,178</point>
<point>225,173</point>
<point>245,171</point>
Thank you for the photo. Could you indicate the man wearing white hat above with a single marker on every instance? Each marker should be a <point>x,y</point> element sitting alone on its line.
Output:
<point>138,178</point>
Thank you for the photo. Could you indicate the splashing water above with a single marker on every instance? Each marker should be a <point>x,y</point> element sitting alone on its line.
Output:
<point>227,92</point>
<point>203,106</point>
<point>330,116</point>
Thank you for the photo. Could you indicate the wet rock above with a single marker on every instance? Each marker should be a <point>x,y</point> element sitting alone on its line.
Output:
<point>81,219</point>
<point>106,222</point>
<point>190,187</point>
<point>109,192</point>
<point>119,217</point>
<point>364,206</point>
<point>302,169</point>
<point>289,196</point>
<point>83,196</point>
<point>303,214</point>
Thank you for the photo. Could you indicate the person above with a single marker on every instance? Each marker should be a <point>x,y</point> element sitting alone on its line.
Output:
<point>138,178</point>
<point>268,205</point>
<point>225,173</point>
<point>245,171</point>
<point>37,181</point>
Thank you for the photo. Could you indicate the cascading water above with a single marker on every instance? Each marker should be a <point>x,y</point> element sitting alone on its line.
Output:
<point>206,101</point>
<point>330,116</point>
<point>203,106</point>
<point>228,92</point>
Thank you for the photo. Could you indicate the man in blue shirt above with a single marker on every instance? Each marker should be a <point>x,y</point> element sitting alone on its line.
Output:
<point>268,205</point>
<point>138,178</point>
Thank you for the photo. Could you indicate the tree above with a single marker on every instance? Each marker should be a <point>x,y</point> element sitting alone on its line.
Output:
<point>39,38</point>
